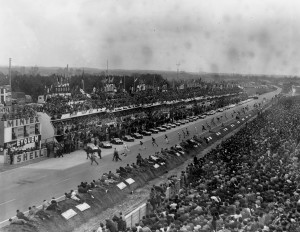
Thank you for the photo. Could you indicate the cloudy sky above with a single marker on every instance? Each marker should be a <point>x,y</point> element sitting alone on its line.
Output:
<point>241,36</point>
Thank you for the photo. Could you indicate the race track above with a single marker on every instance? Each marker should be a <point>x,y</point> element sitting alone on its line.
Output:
<point>31,184</point>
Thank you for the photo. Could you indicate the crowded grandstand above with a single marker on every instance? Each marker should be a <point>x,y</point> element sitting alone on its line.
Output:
<point>194,200</point>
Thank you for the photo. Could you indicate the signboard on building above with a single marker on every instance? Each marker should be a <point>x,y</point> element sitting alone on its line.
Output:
<point>22,142</point>
<point>31,155</point>
<point>19,131</point>
<point>21,122</point>
<point>30,130</point>
<point>5,109</point>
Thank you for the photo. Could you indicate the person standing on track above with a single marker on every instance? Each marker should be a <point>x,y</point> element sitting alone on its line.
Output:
<point>187,132</point>
<point>126,149</point>
<point>139,159</point>
<point>93,158</point>
<point>154,142</point>
<point>142,146</point>
<point>167,140</point>
<point>87,150</point>
<point>196,130</point>
<point>116,156</point>
<point>208,125</point>
<point>99,152</point>
<point>183,133</point>
<point>179,136</point>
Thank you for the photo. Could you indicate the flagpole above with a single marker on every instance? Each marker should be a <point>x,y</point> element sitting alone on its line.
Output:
<point>124,83</point>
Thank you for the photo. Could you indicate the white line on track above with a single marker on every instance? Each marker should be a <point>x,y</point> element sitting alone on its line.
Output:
<point>25,212</point>
<point>62,181</point>
<point>7,202</point>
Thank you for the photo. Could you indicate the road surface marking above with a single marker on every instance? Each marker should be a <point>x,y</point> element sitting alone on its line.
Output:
<point>7,202</point>
<point>6,220</point>
<point>63,181</point>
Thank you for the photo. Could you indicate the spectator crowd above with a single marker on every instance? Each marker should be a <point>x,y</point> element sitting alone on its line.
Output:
<point>250,182</point>
<point>77,131</point>
<point>80,102</point>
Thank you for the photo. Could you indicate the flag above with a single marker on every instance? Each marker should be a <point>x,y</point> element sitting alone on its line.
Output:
<point>181,86</point>
<point>135,79</point>
<point>143,87</point>
<point>111,80</point>
<point>121,81</point>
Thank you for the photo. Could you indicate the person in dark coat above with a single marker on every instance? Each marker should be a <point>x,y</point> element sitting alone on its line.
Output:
<point>111,225</point>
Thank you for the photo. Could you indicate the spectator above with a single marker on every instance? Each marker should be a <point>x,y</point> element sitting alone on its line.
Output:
<point>18,221</point>
<point>111,225</point>
<point>101,228</point>
<point>21,215</point>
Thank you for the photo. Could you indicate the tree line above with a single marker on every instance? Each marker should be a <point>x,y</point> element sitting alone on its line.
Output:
<point>35,85</point>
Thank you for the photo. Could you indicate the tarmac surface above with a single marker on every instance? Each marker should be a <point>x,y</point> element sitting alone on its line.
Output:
<point>30,184</point>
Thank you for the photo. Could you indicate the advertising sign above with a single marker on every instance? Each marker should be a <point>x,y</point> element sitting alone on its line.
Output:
<point>30,129</point>
<point>22,142</point>
<point>68,214</point>
<point>19,132</point>
<point>5,109</point>
<point>27,156</point>
<point>21,122</point>
<point>121,185</point>
<point>130,181</point>
<point>83,206</point>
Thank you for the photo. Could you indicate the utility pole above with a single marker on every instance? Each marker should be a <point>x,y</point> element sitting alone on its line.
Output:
<point>9,73</point>
<point>178,64</point>
<point>124,84</point>
<point>153,82</point>
<point>67,73</point>
<point>82,79</point>
<point>107,67</point>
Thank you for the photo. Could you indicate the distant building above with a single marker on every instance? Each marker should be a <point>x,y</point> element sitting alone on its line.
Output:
<point>19,97</point>
<point>110,88</point>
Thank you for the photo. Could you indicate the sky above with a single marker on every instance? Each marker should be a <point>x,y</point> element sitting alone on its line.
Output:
<point>226,36</point>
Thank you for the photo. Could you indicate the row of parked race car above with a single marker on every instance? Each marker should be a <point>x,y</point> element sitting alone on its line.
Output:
<point>163,128</point>
<point>149,132</point>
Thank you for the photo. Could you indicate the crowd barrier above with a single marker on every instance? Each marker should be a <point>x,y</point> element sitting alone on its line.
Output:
<point>173,190</point>
<point>136,215</point>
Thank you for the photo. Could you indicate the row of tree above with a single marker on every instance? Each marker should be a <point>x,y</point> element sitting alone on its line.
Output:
<point>35,85</point>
